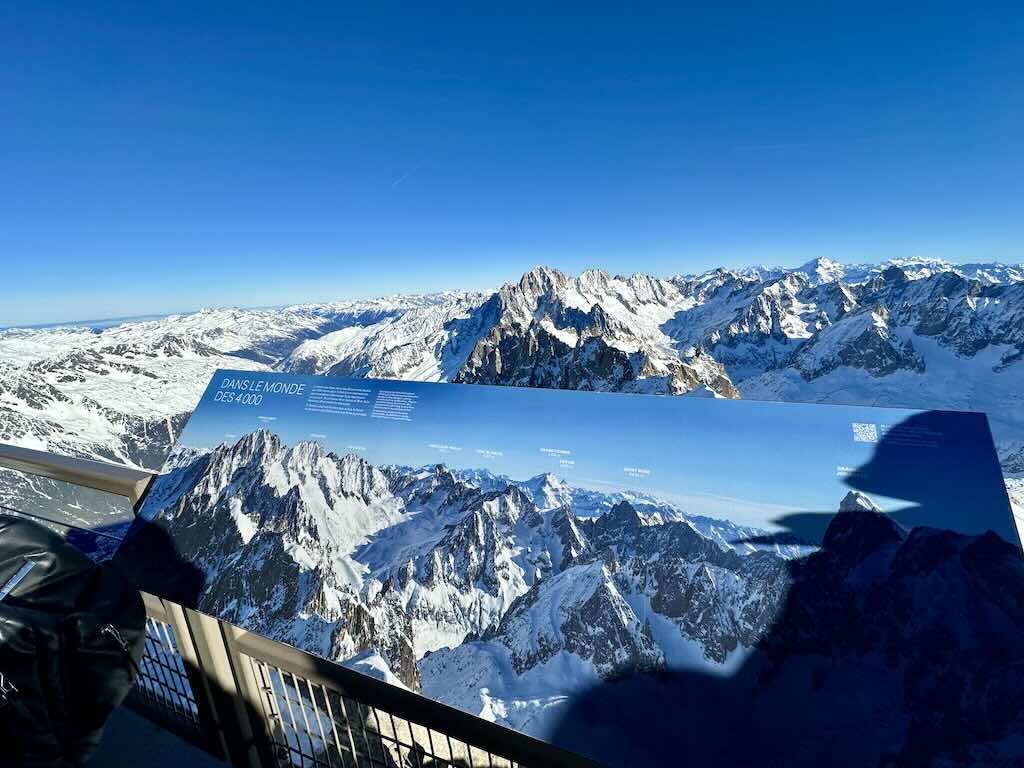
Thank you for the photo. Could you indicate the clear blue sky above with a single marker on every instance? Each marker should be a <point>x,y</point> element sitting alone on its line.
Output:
<point>164,156</point>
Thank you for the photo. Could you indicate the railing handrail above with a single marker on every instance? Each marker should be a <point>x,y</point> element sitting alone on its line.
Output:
<point>99,475</point>
<point>411,706</point>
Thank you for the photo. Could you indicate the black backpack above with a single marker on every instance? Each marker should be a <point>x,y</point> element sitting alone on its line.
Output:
<point>71,638</point>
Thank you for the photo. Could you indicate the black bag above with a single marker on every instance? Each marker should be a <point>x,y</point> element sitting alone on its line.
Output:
<point>71,639</point>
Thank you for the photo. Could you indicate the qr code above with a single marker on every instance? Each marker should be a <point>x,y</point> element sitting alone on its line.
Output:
<point>865,433</point>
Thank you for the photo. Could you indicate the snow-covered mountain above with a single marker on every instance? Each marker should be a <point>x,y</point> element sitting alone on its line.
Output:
<point>916,333</point>
<point>510,597</point>
<point>123,393</point>
<point>890,647</point>
<point>492,595</point>
<point>299,544</point>
<point>592,332</point>
<point>635,597</point>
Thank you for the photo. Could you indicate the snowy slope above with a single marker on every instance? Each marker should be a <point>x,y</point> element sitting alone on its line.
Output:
<point>917,333</point>
<point>874,610</point>
<point>297,543</point>
<point>426,343</point>
<point>723,332</point>
<point>492,595</point>
<point>123,393</point>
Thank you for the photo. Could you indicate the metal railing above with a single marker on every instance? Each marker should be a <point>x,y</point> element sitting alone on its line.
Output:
<point>255,702</point>
<point>111,478</point>
<point>170,689</point>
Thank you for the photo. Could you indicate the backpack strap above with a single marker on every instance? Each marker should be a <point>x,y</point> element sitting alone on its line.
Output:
<point>8,691</point>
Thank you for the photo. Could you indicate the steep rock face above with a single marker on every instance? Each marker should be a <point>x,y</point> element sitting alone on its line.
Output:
<point>752,324</point>
<point>712,595</point>
<point>535,357</point>
<point>570,533</point>
<point>271,528</point>
<point>621,524</point>
<point>596,614</point>
<point>865,342</point>
<point>472,550</point>
<point>592,333</point>
<point>499,547</point>
<point>580,611</point>
<point>963,314</point>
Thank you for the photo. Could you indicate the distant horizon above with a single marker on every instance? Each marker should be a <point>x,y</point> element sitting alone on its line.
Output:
<point>102,323</point>
<point>723,508</point>
<point>160,156</point>
<point>676,501</point>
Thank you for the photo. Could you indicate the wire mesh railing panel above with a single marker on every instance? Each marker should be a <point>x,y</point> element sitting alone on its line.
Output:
<point>163,683</point>
<point>94,521</point>
<point>313,726</point>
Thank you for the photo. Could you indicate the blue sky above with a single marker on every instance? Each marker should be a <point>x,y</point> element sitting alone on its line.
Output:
<point>165,156</point>
<point>750,462</point>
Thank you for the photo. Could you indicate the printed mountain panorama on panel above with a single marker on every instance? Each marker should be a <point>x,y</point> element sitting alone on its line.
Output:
<point>509,598</point>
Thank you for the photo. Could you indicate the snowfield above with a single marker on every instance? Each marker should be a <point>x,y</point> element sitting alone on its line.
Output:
<point>512,598</point>
<point>915,333</point>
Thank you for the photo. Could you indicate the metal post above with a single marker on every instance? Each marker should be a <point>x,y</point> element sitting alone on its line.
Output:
<point>255,701</point>
<point>236,716</point>
<point>209,717</point>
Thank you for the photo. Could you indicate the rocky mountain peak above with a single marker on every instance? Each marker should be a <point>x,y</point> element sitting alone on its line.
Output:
<point>505,507</point>
<point>261,443</point>
<point>822,270</point>
<point>547,491</point>
<point>895,274</point>
<point>855,501</point>
<point>593,281</point>
<point>860,528</point>
<point>567,526</point>
<point>580,611</point>
<point>305,453</point>
<point>620,522</point>
<point>357,477</point>
<point>539,282</point>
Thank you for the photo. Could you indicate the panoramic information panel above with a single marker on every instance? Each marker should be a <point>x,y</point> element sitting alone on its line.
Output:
<point>555,560</point>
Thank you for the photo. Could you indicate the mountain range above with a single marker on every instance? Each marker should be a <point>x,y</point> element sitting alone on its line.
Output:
<point>917,333</point>
<point>450,551</point>
<point>516,599</point>
<point>532,602</point>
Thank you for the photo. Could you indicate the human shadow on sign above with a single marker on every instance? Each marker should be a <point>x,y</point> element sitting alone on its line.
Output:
<point>893,644</point>
<point>151,560</point>
<point>930,462</point>
<point>141,551</point>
